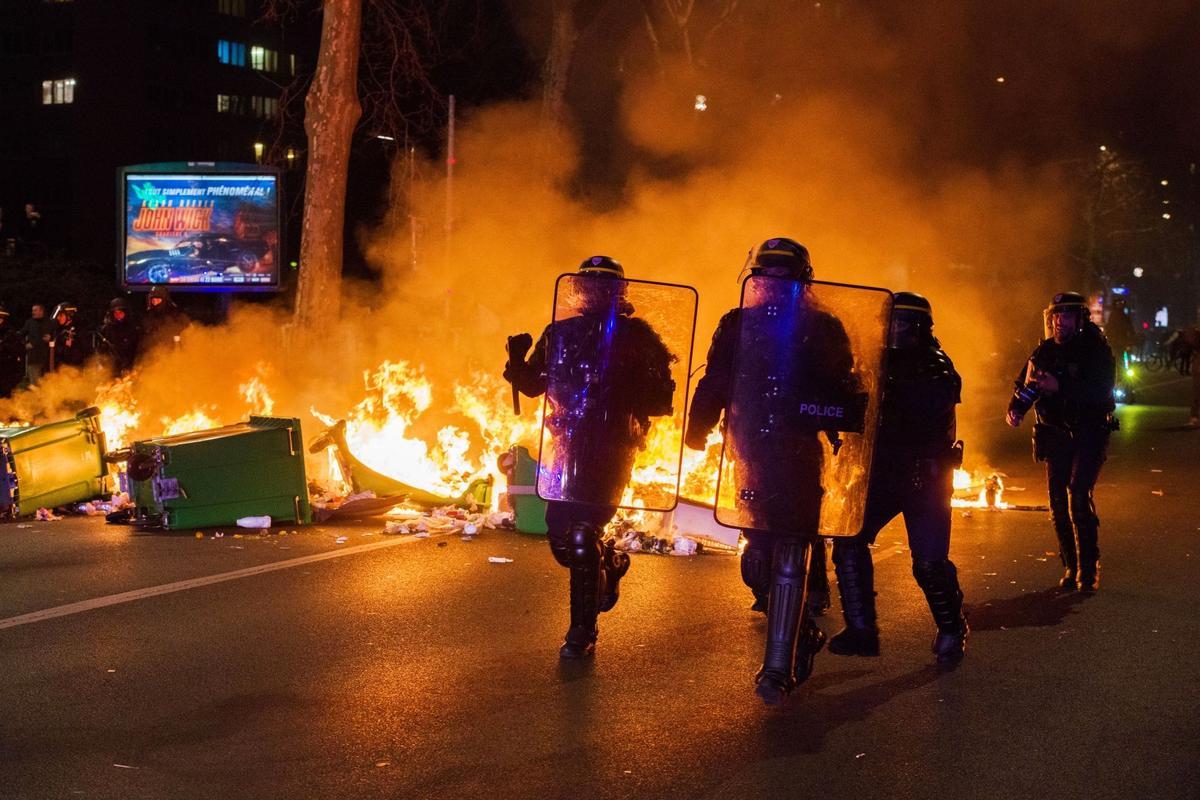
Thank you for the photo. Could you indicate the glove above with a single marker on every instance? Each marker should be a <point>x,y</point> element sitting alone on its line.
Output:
<point>517,347</point>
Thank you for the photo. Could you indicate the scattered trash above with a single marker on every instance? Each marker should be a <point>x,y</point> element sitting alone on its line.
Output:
<point>341,540</point>
<point>219,535</point>
<point>254,522</point>
<point>423,535</point>
<point>470,529</point>
<point>125,766</point>
<point>46,515</point>
<point>394,527</point>
<point>860,755</point>
<point>23,525</point>
<point>683,546</point>
<point>382,763</point>
<point>1155,492</point>
<point>110,670</point>
<point>441,544</point>
<point>199,534</point>
<point>499,560</point>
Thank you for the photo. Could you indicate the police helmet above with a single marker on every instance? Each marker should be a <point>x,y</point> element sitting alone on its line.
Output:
<point>4,312</point>
<point>1062,303</point>
<point>65,307</point>
<point>118,303</point>
<point>910,311</point>
<point>602,265</point>
<point>781,253</point>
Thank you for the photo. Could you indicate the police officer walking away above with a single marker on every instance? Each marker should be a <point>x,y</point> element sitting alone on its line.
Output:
<point>605,374</point>
<point>912,474</point>
<point>780,347</point>
<point>12,355</point>
<point>119,336</point>
<point>1069,381</point>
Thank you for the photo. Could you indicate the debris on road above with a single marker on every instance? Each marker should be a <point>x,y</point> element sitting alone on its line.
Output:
<point>254,522</point>
<point>499,560</point>
<point>46,515</point>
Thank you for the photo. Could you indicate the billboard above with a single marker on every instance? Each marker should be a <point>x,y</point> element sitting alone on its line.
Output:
<point>200,227</point>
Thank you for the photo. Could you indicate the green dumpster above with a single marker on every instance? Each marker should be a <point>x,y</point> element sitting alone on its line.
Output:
<point>216,477</point>
<point>529,510</point>
<point>52,465</point>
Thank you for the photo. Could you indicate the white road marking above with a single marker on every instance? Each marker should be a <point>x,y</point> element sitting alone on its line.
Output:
<point>191,583</point>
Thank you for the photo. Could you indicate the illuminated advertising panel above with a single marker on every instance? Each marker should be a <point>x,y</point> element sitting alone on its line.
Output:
<point>200,227</point>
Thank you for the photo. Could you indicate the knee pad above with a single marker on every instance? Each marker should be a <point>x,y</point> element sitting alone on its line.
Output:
<point>756,567</point>
<point>583,544</point>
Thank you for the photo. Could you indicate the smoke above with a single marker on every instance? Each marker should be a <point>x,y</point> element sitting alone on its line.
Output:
<point>880,138</point>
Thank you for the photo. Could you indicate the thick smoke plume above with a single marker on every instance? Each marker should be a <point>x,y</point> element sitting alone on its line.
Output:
<point>856,133</point>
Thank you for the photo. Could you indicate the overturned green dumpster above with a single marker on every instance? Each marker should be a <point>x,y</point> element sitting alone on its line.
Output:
<point>218,476</point>
<point>51,465</point>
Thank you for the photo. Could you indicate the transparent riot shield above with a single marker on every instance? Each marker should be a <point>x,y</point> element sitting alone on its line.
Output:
<point>617,357</point>
<point>804,405</point>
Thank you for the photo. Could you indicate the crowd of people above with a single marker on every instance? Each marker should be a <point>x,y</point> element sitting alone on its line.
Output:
<point>43,344</point>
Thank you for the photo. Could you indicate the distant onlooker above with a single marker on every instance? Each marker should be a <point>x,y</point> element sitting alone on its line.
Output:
<point>38,331</point>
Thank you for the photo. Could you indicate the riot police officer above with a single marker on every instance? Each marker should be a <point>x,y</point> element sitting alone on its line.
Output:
<point>913,472</point>
<point>70,344</point>
<point>598,416</point>
<point>12,355</point>
<point>784,471</point>
<point>1069,380</point>
<point>119,336</point>
<point>163,321</point>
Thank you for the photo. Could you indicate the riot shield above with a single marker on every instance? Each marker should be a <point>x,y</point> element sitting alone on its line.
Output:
<point>617,357</point>
<point>804,405</point>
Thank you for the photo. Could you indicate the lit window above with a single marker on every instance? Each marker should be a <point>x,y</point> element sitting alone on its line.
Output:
<point>224,104</point>
<point>292,63</point>
<point>59,92</point>
<point>232,53</point>
<point>263,59</point>
<point>234,8</point>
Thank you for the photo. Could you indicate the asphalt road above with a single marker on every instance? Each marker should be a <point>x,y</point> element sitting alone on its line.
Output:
<point>419,669</point>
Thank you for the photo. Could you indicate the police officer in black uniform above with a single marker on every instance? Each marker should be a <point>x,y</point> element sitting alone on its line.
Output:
<point>71,344</point>
<point>1069,382</point>
<point>913,474</point>
<point>776,566</point>
<point>163,320</point>
<point>605,426</point>
<point>119,336</point>
<point>12,355</point>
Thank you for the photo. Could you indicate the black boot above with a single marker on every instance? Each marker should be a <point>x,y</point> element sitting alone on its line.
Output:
<point>756,573</point>
<point>939,581</point>
<point>1066,552</point>
<point>818,581</point>
<point>587,584</point>
<point>785,611</point>
<point>812,639</point>
<point>1089,558</point>
<point>616,564</point>
<point>856,585</point>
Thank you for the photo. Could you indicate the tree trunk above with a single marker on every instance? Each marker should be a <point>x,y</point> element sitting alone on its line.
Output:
<point>557,67</point>
<point>331,112</point>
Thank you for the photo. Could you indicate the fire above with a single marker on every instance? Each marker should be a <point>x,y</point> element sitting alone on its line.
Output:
<point>990,494</point>
<point>379,430</point>
<point>118,412</point>
<point>254,392</point>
